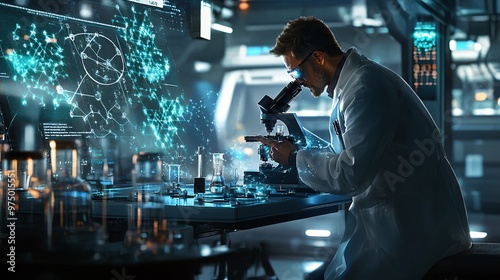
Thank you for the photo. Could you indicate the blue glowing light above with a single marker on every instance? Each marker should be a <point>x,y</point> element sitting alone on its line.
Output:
<point>147,64</point>
<point>424,36</point>
<point>37,64</point>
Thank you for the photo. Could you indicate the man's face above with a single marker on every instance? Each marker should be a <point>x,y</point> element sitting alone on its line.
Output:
<point>308,70</point>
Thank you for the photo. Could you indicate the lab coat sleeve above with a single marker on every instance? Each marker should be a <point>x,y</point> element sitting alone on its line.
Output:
<point>370,108</point>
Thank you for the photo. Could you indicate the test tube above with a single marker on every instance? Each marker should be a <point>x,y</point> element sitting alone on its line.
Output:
<point>280,130</point>
<point>200,161</point>
<point>199,181</point>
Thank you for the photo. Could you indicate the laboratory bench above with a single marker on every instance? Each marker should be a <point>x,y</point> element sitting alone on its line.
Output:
<point>221,213</point>
<point>115,253</point>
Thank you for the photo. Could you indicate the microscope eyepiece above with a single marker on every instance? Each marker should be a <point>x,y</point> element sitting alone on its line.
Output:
<point>280,104</point>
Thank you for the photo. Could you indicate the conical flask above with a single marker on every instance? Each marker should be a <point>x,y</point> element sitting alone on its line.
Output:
<point>217,183</point>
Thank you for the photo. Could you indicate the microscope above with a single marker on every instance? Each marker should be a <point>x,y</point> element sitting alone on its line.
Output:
<point>272,110</point>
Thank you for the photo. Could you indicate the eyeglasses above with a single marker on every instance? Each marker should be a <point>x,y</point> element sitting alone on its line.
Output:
<point>295,72</point>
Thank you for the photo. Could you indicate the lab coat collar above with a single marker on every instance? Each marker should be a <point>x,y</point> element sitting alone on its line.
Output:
<point>333,83</point>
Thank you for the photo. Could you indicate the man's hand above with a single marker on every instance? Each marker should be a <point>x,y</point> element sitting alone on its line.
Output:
<point>280,150</point>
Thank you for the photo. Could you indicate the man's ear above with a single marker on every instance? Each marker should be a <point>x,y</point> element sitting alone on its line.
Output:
<point>319,57</point>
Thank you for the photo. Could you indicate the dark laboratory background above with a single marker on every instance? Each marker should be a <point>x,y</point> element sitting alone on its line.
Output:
<point>174,76</point>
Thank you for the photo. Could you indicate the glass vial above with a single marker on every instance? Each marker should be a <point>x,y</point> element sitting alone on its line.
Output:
<point>146,222</point>
<point>174,174</point>
<point>280,131</point>
<point>217,183</point>
<point>25,202</point>
<point>73,228</point>
<point>72,195</point>
<point>147,176</point>
<point>199,181</point>
<point>200,153</point>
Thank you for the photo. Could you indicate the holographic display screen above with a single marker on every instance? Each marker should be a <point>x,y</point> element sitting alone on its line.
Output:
<point>425,69</point>
<point>110,82</point>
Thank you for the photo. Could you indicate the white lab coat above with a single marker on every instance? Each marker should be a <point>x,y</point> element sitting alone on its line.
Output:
<point>407,208</point>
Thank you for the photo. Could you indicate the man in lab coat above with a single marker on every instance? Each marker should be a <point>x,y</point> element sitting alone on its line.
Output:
<point>407,210</point>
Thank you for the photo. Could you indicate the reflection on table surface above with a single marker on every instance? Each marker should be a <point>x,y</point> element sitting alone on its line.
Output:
<point>161,234</point>
<point>234,205</point>
<point>115,261</point>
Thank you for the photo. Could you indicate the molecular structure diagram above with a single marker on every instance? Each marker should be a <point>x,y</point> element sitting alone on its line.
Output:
<point>113,78</point>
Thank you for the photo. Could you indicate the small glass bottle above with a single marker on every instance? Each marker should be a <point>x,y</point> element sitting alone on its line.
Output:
<point>217,183</point>
<point>146,232</point>
<point>72,195</point>
<point>25,202</point>
<point>199,181</point>
<point>280,132</point>
<point>147,176</point>
<point>73,228</point>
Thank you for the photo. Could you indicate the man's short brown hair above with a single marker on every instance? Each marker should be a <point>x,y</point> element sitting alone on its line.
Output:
<point>304,35</point>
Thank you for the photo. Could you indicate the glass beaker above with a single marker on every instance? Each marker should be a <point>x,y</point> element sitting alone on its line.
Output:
<point>72,195</point>
<point>146,228</point>
<point>73,228</point>
<point>217,183</point>
<point>25,202</point>
<point>149,233</point>
<point>146,222</point>
<point>147,176</point>
<point>174,174</point>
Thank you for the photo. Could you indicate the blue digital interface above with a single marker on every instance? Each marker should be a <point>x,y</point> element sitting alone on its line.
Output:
<point>425,69</point>
<point>111,82</point>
